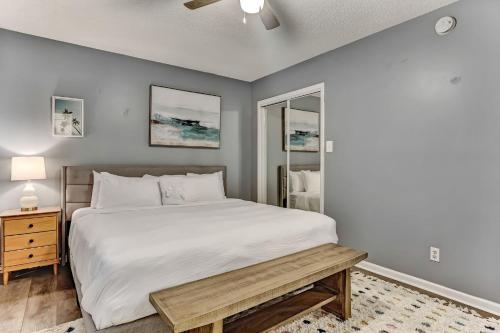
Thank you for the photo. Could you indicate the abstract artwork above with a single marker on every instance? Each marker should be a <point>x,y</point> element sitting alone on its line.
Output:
<point>184,119</point>
<point>304,130</point>
<point>67,117</point>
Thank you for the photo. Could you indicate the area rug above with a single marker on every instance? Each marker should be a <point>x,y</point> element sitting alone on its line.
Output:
<point>72,326</point>
<point>382,307</point>
<point>379,307</point>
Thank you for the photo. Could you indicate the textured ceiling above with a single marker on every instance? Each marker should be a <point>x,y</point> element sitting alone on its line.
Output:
<point>211,39</point>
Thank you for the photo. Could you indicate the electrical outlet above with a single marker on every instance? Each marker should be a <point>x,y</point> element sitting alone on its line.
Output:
<point>434,256</point>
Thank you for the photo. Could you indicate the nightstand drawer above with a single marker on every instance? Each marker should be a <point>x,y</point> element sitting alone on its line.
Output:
<point>29,225</point>
<point>27,241</point>
<point>19,257</point>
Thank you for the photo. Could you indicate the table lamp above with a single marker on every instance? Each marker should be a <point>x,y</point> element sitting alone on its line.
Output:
<point>28,168</point>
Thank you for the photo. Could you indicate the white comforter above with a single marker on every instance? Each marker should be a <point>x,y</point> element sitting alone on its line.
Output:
<point>122,255</point>
<point>305,201</point>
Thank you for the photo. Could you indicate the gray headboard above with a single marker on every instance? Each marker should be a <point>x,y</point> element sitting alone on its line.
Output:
<point>282,174</point>
<point>77,183</point>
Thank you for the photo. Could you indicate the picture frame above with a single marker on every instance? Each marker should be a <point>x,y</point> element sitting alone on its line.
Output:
<point>68,117</point>
<point>305,129</point>
<point>184,119</point>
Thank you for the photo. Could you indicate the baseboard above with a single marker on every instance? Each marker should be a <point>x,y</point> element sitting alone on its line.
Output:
<point>452,294</point>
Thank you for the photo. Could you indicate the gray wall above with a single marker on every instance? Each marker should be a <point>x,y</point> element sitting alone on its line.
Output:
<point>416,122</point>
<point>116,93</point>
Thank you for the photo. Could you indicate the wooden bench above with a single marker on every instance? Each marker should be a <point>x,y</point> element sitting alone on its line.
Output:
<point>201,306</point>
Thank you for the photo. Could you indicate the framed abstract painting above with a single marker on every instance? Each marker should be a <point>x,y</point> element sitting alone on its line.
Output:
<point>304,130</point>
<point>179,118</point>
<point>67,117</point>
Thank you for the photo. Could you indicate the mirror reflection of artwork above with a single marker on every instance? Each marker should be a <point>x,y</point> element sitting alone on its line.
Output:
<point>67,116</point>
<point>184,119</point>
<point>304,130</point>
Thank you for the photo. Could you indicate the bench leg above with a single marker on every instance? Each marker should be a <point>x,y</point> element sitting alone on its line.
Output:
<point>341,282</point>
<point>212,328</point>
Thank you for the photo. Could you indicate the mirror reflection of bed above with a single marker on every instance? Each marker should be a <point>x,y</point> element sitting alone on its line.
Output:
<point>305,188</point>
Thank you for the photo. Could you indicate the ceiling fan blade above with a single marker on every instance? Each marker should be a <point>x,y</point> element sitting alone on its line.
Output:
<point>268,18</point>
<point>195,4</point>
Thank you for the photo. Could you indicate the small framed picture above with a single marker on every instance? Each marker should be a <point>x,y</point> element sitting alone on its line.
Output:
<point>67,117</point>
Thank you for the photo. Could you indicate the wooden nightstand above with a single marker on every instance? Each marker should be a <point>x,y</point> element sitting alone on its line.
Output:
<point>29,239</point>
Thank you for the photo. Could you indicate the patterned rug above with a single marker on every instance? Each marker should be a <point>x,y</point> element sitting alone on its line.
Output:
<point>382,307</point>
<point>379,307</point>
<point>72,326</point>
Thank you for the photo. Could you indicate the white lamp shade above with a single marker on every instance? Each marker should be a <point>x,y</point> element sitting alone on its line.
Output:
<point>28,168</point>
<point>251,6</point>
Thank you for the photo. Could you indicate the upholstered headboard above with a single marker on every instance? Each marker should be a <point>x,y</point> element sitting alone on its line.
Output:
<point>77,183</point>
<point>282,174</point>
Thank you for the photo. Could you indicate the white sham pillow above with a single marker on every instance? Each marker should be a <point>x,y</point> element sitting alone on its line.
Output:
<point>203,188</point>
<point>312,181</point>
<point>297,181</point>
<point>95,189</point>
<point>172,189</point>
<point>220,177</point>
<point>98,177</point>
<point>128,192</point>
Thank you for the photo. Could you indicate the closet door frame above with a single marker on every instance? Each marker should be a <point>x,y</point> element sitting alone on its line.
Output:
<point>262,138</point>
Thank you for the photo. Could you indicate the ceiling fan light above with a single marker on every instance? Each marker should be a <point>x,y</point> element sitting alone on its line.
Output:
<point>251,6</point>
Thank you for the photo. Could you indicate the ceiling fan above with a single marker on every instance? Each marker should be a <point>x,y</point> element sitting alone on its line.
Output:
<point>260,7</point>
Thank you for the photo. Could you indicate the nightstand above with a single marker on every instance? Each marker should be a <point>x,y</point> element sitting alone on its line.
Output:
<point>29,239</point>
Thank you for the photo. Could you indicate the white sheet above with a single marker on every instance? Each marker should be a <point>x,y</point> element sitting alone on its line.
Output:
<point>121,255</point>
<point>305,201</point>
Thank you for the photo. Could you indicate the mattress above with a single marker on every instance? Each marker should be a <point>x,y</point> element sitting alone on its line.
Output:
<point>121,255</point>
<point>305,200</point>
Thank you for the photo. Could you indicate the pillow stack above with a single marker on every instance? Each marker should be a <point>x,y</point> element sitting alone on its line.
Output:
<point>312,181</point>
<point>112,191</point>
<point>305,181</point>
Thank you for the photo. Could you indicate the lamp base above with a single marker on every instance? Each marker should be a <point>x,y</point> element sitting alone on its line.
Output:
<point>29,201</point>
<point>29,209</point>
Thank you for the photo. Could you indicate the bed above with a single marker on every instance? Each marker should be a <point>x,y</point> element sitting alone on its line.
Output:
<point>118,256</point>
<point>309,201</point>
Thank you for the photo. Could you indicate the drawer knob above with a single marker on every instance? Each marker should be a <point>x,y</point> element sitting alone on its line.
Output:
<point>30,226</point>
<point>31,241</point>
<point>30,256</point>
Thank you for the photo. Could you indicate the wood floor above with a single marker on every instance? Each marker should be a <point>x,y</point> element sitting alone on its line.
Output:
<point>35,300</point>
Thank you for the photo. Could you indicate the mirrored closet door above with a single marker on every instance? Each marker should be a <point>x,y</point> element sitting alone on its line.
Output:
<point>304,158</point>
<point>292,153</point>
<point>276,156</point>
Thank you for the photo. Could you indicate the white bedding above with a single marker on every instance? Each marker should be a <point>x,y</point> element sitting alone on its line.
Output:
<point>121,255</point>
<point>305,201</point>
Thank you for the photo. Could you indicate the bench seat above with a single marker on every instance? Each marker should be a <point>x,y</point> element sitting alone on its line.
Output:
<point>201,306</point>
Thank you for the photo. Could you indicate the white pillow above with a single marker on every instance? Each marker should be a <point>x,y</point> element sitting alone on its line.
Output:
<point>220,177</point>
<point>95,189</point>
<point>172,189</point>
<point>203,188</point>
<point>297,181</point>
<point>152,177</point>
<point>312,181</point>
<point>98,177</point>
<point>128,192</point>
